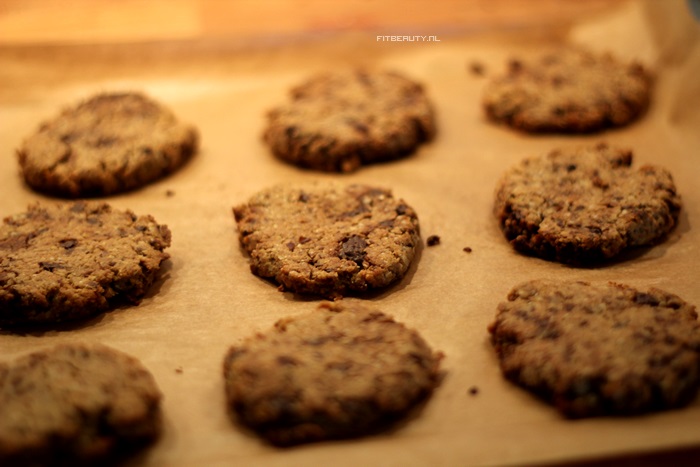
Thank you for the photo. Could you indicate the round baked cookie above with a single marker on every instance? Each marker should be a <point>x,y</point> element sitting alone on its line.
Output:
<point>107,144</point>
<point>568,90</point>
<point>61,262</point>
<point>76,404</point>
<point>338,121</point>
<point>585,204</point>
<point>328,239</point>
<point>599,349</point>
<point>343,370</point>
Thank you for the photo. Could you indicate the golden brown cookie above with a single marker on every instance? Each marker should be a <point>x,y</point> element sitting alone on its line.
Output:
<point>585,204</point>
<point>75,404</point>
<point>568,90</point>
<point>328,239</point>
<point>61,262</point>
<point>107,144</point>
<point>343,370</point>
<point>338,121</point>
<point>599,349</point>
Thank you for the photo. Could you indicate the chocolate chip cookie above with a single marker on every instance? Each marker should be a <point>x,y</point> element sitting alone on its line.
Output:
<point>338,121</point>
<point>343,370</point>
<point>585,204</point>
<point>75,404</point>
<point>328,239</point>
<point>66,261</point>
<point>568,90</point>
<point>110,143</point>
<point>599,349</point>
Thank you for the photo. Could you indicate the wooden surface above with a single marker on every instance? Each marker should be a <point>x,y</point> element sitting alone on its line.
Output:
<point>107,21</point>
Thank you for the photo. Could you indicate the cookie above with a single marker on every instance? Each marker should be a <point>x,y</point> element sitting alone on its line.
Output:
<point>338,121</point>
<point>585,204</point>
<point>599,349</point>
<point>108,144</point>
<point>75,404</point>
<point>341,371</point>
<point>568,90</point>
<point>67,261</point>
<point>328,239</point>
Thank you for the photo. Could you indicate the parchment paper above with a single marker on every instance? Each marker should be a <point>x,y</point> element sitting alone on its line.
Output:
<point>207,299</point>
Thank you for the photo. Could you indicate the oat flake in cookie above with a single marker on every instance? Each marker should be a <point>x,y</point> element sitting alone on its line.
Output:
<point>76,404</point>
<point>568,90</point>
<point>599,349</point>
<point>338,121</point>
<point>343,370</point>
<point>328,239</point>
<point>107,144</point>
<point>585,204</point>
<point>61,262</point>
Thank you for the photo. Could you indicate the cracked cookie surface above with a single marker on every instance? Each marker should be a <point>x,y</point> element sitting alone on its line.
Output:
<point>599,349</point>
<point>338,121</point>
<point>569,90</point>
<point>343,370</point>
<point>75,404</point>
<point>585,204</point>
<point>328,239</point>
<point>61,262</point>
<point>108,144</point>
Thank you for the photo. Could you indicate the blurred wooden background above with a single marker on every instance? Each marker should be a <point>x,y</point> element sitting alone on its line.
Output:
<point>118,21</point>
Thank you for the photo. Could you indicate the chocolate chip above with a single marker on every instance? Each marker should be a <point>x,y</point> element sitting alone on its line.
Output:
<point>69,137</point>
<point>286,360</point>
<point>433,240</point>
<point>105,141</point>
<point>358,126</point>
<point>50,266</point>
<point>361,209</point>
<point>645,299</point>
<point>401,209</point>
<point>467,249</point>
<point>68,243</point>
<point>353,249</point>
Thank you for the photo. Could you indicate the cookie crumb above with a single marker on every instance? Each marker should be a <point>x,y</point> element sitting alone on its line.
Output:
<point>467,249</point>
<point>473,391</point>
<point>477,68</point>
<point>433,240</point>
